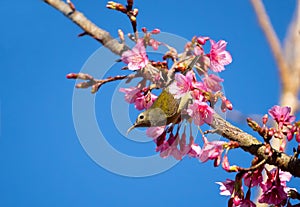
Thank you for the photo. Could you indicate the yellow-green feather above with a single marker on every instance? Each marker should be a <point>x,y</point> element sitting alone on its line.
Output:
<point>167,103</point>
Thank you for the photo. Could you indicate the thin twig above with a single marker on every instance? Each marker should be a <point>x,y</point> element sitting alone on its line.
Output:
<point>254,167</point>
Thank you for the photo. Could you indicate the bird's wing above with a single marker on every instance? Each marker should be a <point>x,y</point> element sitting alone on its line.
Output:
<point>167,103</point>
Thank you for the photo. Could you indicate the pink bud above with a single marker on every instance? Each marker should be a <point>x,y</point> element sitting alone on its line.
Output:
<point>72,76</point>
<point>236,200</point>
<point>144,29</point>
<point>265,119</point>
<point>225,163</point>
<point>202,40</point>
<point>289,136</point>
<point>155,31</point>
<point>228,104</point>
<point>217,161</point>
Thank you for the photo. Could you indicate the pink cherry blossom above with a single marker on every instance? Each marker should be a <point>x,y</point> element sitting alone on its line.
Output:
<point>145,101</point>
<point>170,148</point>
<point>212,82</point>
<point>201,112</point>
<point>182,84</point>
<point>273,189</point>
<point>226,187</point>
<point>155,132</point>
<point>199,89</point>
<point>274,194</point>
<point>184,148</point>
<point>281,115</point>
<point>284,177</point>
<point>211,150</point>
<point>255,178</point>
<point>135,95</point>
<point>219,56</point>
<point>131,94</point>
<point>154,44</point>
<point>195,150</point>
<point>136,58</point>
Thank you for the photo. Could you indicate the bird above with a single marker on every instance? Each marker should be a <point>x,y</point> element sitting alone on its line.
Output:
<point>165,110</point>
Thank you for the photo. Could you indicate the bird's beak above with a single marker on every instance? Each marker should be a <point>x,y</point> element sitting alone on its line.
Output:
<point>131,128</point>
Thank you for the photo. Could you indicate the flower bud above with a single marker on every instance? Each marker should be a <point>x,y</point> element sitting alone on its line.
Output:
<point>202,40</point>
<point>253,124</point>
<point>144,29</point>
<point>82,85</point>
<point>155,31</point>
<point>135,12</point>
<point>121,35</point>
<point>236,200</point>
<point>72,76</point>
<point>265,119</point>
<point>111,5</point>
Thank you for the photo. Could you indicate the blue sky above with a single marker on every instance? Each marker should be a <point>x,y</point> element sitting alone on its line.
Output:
<point>42,160</point>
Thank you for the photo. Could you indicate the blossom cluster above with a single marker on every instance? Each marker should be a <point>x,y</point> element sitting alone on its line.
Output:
<point>286,128</point>
<point>274,189</point>
<point>200,84</point>
<point>184,84</point>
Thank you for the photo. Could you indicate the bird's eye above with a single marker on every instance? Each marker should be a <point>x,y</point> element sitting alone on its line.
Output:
<point>141,117</point>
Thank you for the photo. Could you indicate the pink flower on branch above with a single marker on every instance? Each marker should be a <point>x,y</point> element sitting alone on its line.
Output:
<point>182,84</point>
<point>254,178</point>
<point>273,195</point>
<point>281,115</point>
<point>138,97</point>
<point>212,82</point>
<point>212,151</point>
<point>136,58</point>
<point>226,187</point>
<point>219,56</point>
<point>201,112</point>
<point>274,188</point>
<point>170,148</point>
<point>155,132</point>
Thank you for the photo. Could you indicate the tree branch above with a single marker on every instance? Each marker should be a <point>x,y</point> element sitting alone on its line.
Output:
<point>273,40</point>
<point>89,27</point>
<point>250,144</point>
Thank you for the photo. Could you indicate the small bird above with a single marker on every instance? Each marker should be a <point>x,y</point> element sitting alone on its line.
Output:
<point>165,110</point>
